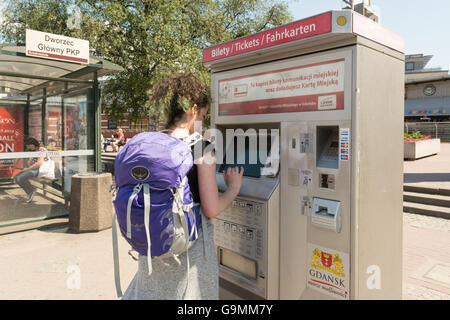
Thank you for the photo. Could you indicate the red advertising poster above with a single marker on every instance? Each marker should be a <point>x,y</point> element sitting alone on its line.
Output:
<point>35,122</point>
<point>54,134</point>
<point>294,31</point>
<point>11,139</point>
<point>313,87</point>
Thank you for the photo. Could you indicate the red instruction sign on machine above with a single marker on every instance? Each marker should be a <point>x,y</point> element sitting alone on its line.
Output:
<point>313,87</point>
<point>301,29</point>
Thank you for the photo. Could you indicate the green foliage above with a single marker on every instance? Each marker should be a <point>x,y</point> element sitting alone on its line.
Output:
<point>414,135</point>
<point>150,39</point>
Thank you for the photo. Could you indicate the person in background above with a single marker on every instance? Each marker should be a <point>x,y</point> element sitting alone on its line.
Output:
<point>105,142</point>
<point>32,170</point>
<point>118,139</point>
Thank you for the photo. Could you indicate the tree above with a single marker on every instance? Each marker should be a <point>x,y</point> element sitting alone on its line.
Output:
<point>150,39</point>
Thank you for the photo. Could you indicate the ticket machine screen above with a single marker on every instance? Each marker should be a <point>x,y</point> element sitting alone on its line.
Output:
<point>250,157</point>
<point>328,147</point>
<point>331,152</point>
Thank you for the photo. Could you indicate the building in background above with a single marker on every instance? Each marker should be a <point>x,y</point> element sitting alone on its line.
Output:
<point>427,90</point>
<point>130,128</point>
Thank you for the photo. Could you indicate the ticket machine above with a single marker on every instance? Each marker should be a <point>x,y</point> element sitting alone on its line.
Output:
<point>319,214</point>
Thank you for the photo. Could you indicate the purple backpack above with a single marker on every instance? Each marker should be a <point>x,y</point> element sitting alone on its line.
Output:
<point>154,206</point>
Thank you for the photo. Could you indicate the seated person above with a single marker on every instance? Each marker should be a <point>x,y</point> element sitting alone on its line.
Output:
<point>32,171</point>
<point>118,139</point>
<point>106,142</point>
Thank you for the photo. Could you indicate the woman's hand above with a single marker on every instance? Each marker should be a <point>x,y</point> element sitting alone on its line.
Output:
<point>233,178</point>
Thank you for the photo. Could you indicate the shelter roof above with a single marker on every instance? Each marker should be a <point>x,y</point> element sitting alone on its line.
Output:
<point>21,74</point>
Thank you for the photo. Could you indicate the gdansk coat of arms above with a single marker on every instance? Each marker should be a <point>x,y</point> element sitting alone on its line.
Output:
<point>327,261</point>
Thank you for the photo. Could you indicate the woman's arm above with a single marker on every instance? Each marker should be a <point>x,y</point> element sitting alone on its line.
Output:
<point>212,202</point>
<point>38,163</point>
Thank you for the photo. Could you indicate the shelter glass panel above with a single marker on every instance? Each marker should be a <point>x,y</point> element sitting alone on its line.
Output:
<point>35,120</point>
<point>77,118</point>
<point>63,126</point>
<point>24,196</point>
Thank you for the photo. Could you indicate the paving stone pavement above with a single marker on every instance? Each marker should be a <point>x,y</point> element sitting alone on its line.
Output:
<point>51,263</point>
<point>421,221</point>
<point>426,244</point>
<point>42,263</point>
<point>426,258</point>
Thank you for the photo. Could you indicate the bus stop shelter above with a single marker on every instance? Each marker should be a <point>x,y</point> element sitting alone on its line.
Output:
<point>59,104</point>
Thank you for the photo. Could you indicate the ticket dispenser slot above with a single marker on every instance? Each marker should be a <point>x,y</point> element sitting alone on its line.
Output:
<point>326,214</point>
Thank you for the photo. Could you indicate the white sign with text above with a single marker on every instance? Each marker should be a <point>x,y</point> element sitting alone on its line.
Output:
<point>56,47</point>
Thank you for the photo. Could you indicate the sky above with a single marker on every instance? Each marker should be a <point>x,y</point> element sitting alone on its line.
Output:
<point>424,24</point>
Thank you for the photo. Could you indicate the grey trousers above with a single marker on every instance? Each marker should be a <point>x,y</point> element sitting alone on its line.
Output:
<point>169,281</point>
<point>22,180</point>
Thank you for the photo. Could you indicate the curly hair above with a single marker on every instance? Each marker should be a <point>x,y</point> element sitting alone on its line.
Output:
<point>177,94</point>
<point>32,141</point>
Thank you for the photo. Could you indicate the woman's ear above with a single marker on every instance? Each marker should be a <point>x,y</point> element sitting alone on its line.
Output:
<point>194,108</point>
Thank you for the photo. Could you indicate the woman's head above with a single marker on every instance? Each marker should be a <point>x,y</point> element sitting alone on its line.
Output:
<point>185,99</point>
<point>32,144</point>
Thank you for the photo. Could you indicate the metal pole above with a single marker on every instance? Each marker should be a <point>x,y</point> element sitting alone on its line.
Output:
<point>63,136</point>
<point>44,117</point>
<point>26,130</point>
<point>98,125</point>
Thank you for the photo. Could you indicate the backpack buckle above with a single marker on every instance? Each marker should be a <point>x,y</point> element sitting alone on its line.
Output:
<point>137,188</point>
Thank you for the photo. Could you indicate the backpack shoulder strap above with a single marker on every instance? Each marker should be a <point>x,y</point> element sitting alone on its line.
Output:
<point>136,191</point>
<point>147,202</point>
<point>192,139</point>
<point>116,255</point>
<point>179,208</point>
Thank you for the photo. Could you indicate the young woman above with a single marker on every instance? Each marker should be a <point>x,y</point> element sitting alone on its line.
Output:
<point>32,170</point>
<point>118,139</point>
<point>169,281</point>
